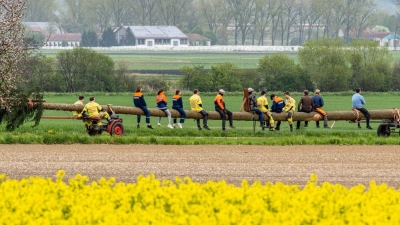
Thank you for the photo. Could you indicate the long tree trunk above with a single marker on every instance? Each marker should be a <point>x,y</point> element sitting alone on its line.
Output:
<point>298,116</point>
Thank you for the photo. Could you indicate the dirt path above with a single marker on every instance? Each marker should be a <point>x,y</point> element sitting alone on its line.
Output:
<point>347,165</point>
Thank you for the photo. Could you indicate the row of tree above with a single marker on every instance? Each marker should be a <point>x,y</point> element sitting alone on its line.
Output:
<point>281,21</point>
<point>326,64</point>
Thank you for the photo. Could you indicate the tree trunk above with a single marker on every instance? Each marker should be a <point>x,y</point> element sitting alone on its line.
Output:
<point>298,116</point>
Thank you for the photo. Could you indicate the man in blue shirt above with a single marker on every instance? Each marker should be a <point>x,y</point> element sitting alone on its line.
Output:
<point>358,102</point>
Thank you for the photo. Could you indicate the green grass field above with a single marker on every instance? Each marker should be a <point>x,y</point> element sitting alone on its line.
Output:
<point>145,60</point>
<point>72,131</point>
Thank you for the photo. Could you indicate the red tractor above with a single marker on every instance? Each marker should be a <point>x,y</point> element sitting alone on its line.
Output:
<point>113,127</point>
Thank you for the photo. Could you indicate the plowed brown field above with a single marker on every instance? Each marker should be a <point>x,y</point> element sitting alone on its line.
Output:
<point>347,165</point>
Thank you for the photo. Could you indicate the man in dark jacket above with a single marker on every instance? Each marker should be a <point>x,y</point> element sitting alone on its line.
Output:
<point>318,104</point>
<point>305,105</point>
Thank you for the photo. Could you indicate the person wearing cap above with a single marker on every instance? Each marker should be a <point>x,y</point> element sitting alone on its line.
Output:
<point>306,105</point>
<point>262,104</point>
<point>290,104</point>
<point>318,102</point>
<point>277,106</point>
<point>197,105</point>
<point>222,110</point>
<point>254,107</point>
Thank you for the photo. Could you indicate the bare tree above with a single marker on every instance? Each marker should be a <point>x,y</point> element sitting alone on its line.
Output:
<point>314,17</point>
<point>263,17</point>
<point>246,17</point>
<point>288,19</point>
<point>120,11</point>
<point>72,15</point>
<point>99,15</point>
<point>40,11</point>
<point>364,16</point>
<point>145,12</point>
<point>173,11</point>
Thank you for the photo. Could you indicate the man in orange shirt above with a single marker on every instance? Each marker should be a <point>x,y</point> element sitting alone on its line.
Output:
<point>222,110</point>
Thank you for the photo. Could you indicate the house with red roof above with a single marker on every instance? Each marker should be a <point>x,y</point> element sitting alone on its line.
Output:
<point>72,39</point>
<point>198,40</point>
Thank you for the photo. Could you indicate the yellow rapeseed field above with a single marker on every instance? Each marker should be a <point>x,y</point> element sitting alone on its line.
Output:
<point>39,200</point>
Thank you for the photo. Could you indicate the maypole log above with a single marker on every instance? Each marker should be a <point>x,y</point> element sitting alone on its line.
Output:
<point>247,116</point>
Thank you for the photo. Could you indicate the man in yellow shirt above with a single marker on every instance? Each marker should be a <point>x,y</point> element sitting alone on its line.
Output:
<point>95,111</point>
<point>290,105</point>
<point>79,102</point>
<point>197,105</point>
<point>262,104</point>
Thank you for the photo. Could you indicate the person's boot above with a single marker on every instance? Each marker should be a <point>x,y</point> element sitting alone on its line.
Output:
<point>278,125</point>
<point>149,126</point>
<point>138,125</point>
<point>206,127</point>
<point>199,127</point>
<point>291,127</point>
<point>317,124</point>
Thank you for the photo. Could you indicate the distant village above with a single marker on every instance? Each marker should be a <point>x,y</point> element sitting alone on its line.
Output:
<point>150,36</point>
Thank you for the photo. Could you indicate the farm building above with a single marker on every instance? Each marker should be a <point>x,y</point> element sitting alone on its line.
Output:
<point>388,39</point>
<point>68,39</point>
<point>197,39</point>
<point>153,36</point>
<point>45,28</point>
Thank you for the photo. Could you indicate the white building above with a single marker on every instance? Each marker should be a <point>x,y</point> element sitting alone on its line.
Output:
<point>153,36</point>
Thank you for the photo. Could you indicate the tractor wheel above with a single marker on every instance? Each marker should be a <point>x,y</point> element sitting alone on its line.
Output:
<point>117,129</point>
<point>383,130</point>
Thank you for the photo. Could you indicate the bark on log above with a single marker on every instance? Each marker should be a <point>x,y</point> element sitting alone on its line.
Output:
<point>213,115</point>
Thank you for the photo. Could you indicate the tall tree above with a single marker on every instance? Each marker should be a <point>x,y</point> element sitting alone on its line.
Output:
<point>98,16</point>
<point>120,11</point>
<point>72,15</point>
<point>41,11</point>
<point>173,12</point>
<point>326,63</point>
<point>263,17</point>
<point>145,12</point>
<point>108,38</point>
<point>129,38</point>
<point>13,101</point>
<point>363,18</point>
<point>288,16</point>
<point>247,17</point>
